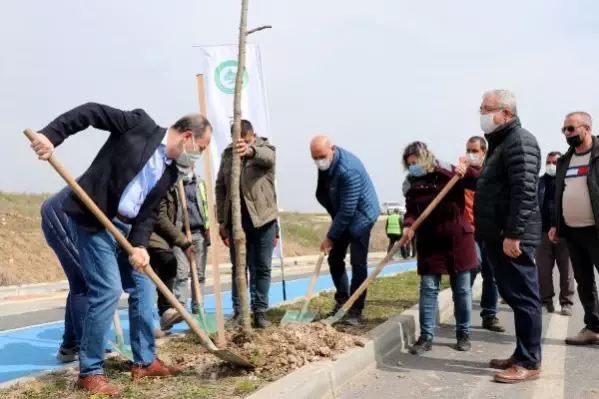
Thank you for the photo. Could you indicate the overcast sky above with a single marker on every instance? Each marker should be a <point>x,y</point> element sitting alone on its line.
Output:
<point>374,75</point>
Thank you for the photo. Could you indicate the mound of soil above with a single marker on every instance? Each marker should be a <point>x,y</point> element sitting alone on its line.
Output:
<point>275,351</point>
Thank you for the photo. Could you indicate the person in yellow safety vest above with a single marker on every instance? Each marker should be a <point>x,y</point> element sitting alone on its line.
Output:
<point>197,209</point>
<point>393,228</point>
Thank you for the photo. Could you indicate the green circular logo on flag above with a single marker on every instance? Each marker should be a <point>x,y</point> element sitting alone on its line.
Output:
<point>224,76</point>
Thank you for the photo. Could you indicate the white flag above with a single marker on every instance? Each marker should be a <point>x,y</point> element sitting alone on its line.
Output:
<point>220,70</point>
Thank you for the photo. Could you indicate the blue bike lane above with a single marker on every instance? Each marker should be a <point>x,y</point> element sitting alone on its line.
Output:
<point>32,350</point>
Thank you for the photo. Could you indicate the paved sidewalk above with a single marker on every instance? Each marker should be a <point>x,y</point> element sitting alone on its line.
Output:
<point>568,372</point>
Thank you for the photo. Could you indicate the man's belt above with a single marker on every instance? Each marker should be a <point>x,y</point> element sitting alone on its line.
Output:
<point>124,219</point>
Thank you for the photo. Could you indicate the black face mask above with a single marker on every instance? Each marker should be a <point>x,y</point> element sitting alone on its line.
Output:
<point>574,141</point>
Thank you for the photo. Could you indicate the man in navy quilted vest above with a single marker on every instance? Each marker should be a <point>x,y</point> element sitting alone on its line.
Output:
<point>346,191</point>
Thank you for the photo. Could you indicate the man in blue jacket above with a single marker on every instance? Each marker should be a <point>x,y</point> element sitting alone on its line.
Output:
<point>347,193</point>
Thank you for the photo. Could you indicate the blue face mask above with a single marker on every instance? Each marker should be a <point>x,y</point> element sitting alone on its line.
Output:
<point>416,170</point>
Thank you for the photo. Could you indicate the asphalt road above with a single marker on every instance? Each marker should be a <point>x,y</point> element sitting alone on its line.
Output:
<point>19,314</point>
<point>568,372</point>
<point>46,311</point>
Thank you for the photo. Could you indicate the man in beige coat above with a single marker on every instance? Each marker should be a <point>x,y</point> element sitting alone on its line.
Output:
<point>258,211</point>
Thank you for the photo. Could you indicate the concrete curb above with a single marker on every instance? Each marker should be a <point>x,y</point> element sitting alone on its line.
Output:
<point>224,268</point>
<point>325,379</point>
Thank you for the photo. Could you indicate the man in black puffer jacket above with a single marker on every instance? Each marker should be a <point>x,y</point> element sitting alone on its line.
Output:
<point>507,219</point>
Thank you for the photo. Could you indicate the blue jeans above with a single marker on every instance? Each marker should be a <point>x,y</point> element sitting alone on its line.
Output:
<point>518,283</point>
<point>259,247</point>
<point>490,295</point>
<point>60,232</point>
<point>106,269</point>
<point>462,303</point>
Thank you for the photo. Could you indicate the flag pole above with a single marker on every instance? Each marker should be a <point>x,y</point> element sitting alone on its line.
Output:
<point>214,255</point>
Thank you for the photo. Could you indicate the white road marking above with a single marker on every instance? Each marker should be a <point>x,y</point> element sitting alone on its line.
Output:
<point>552,382</point>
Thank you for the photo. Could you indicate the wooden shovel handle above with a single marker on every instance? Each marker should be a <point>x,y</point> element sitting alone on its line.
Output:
<point>117,324</point>
<point>397,246</point>
<point>313,282</point>
<point>195,283</point>
<point>89,203</point>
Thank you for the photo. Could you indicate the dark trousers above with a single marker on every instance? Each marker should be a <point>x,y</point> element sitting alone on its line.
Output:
<point>165,265</point>
<point>409,249</point>
<point>490,295</point>
<point>583,244</point>
<point>518,283</point>
<point>393,238</point>
<point>259,247</point>
<point>548,254</point>
<point>358,247</point>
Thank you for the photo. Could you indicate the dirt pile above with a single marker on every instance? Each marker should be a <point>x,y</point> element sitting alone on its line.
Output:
<point>275,351</point>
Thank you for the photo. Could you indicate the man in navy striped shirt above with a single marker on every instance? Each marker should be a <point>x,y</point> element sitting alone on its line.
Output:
<point>346,191</point>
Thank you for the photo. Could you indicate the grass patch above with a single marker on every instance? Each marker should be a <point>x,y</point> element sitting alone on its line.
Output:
<point>387,297</point>
<point>245,387</point>
<point>205,378</point>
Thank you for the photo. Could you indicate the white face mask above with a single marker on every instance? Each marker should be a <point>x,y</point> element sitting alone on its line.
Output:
<point>473,159</point>
<point>486,122</point>
<point>551,169</point>
<point>323,164</point>
<point>184,169</point>
<point>188,159</point>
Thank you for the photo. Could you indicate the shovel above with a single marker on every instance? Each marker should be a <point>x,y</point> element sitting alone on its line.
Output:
<point>206,322</point>
<point>387,259</point>
<point>119,345</point>
<point>224,354</point>
<point>303,316</point>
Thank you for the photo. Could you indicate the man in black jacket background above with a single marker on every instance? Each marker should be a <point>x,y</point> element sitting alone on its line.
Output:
<point>550,253</point>
<point>507,219</point>
<point>576,216</point>
<point>127,181</point>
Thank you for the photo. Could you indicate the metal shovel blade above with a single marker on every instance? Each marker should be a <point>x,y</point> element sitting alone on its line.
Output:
<point>335,318</point>
<point>296,316</point>
<point>122,349</point>
<point>231,357</point>
<point>207,322</point>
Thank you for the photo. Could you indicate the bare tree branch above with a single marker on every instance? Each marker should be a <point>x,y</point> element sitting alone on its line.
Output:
<point>258,29</point>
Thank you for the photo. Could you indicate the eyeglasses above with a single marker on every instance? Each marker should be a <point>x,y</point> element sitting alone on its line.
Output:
<point>490,110</point>
<point>571,129</point>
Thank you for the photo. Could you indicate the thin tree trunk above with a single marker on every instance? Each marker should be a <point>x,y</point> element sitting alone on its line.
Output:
<point>238,234</point>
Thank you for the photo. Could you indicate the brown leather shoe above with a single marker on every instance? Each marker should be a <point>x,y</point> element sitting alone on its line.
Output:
<point>517,374</point>
<point>97,384</point>
<point>156,369</point>
<point>584,337</point>
<point>501,364</point>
